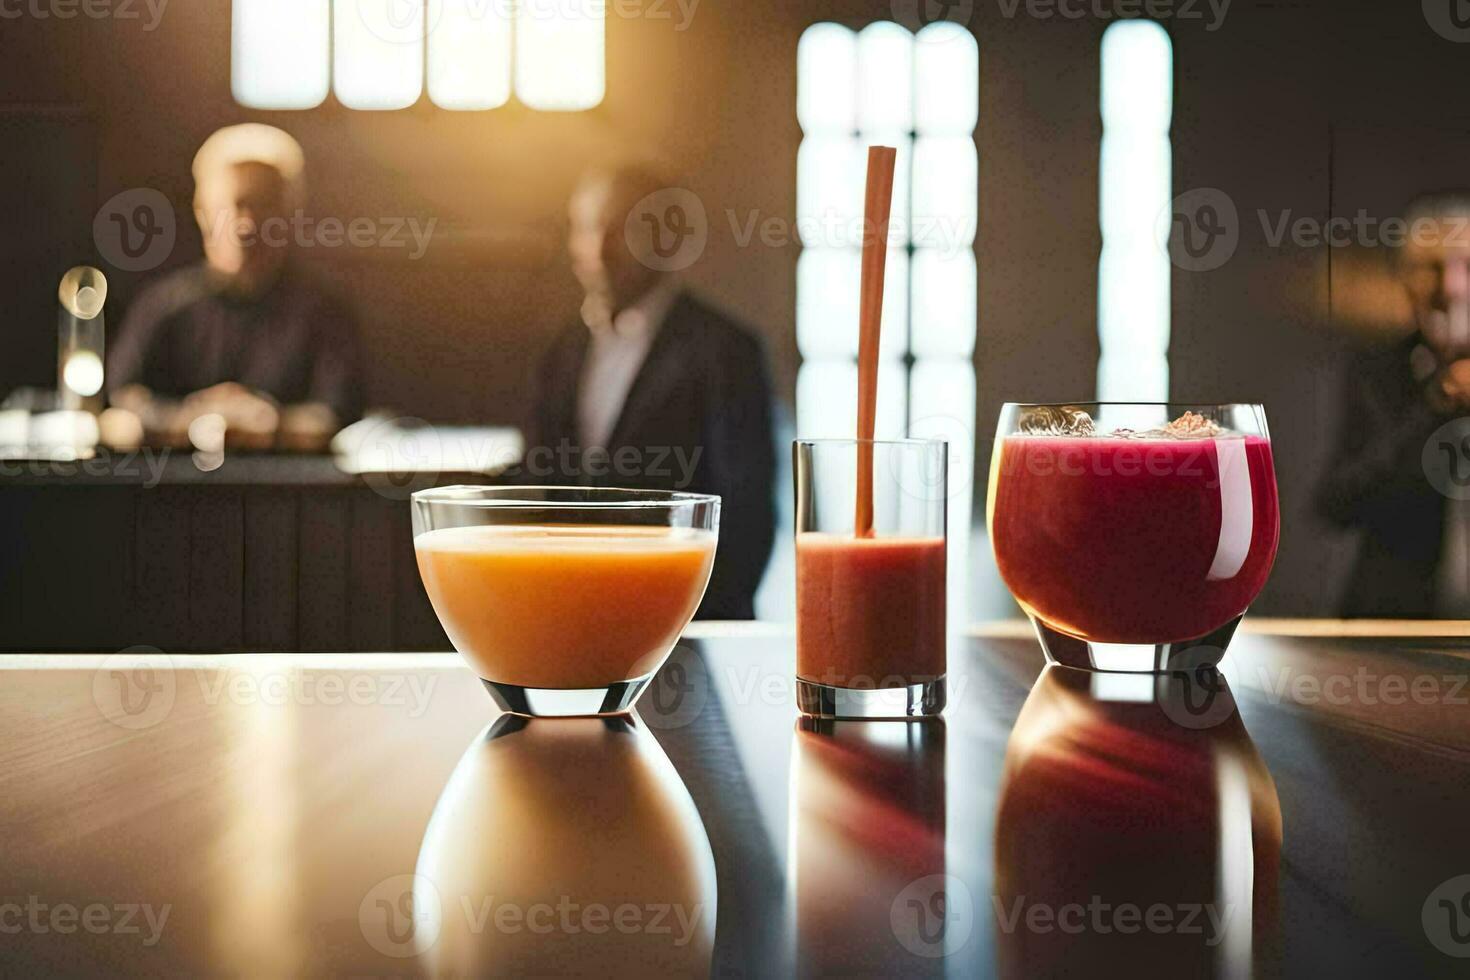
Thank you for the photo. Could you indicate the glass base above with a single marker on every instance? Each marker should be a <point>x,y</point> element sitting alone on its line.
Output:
<point>914,701</point>
<point>559,702</point>
<point>1135,658</point>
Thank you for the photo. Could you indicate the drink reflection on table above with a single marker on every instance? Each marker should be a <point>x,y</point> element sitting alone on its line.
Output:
<point>1138,830</point>
<point>868,848</point>
<point>567,846</point>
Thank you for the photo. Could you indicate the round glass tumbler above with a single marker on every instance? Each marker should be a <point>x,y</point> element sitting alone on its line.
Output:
<point>870,616</point>
<point>1134,535</point>
<point>564,600</point>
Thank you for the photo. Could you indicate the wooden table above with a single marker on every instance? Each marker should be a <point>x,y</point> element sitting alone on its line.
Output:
<point>267,815</point>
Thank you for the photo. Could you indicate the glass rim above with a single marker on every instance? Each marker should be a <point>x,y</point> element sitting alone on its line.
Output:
<point>1137,404</point>
<point>466,495</point>
<point>850,441</point>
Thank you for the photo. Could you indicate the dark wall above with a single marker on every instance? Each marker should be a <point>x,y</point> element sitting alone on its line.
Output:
<point>1317,106</point>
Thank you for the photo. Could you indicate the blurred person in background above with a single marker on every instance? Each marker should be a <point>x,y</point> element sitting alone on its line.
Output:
<point>245,335</point>
<point>1414,553</point>
<point>653,388</point>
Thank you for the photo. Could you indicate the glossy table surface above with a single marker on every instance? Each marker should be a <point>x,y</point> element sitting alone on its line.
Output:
<point>273,815</point>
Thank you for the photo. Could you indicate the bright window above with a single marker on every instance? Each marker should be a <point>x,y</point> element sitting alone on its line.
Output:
<point>919,93</point>
<point>382,54</point>
<point>1135,182</point>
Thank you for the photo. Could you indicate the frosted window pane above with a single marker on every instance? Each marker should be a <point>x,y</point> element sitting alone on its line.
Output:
<point>378,53</point>
<point>1133,301</point>
<point>946,81</point>
<point>827,298</point>
<point>469,54</point>
<point>279,54</point>
<point>1135,185</point>
<point>826,400</point>
<point>1135,182</point>
<point>1137,78</point>
<point>826,79</point>
<point>559,62</point>
<point>885,78</point>
<point>946,182</point>
<point>1132,379</point>
<point>942,406</point>
<point>829,190</point>
<point>943,300</point>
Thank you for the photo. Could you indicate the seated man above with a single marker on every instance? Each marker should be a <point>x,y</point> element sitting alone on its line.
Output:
<point>1414,557</point>
<point>246,335</point>
<point>655,389</point>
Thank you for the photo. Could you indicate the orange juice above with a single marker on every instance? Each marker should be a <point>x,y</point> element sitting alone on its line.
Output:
<point>564,606</point>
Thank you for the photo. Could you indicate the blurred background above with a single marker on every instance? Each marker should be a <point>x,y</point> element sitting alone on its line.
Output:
<point>1041,146</point>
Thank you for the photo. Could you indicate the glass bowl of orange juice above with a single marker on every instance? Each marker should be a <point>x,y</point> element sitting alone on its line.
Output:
<point>564,600</point>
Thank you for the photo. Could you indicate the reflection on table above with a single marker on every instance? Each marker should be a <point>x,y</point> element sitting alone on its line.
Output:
<point>563,847</point>
<point>1138,827</point>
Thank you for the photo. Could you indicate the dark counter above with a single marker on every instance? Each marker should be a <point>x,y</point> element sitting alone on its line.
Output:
<point>263,553</point>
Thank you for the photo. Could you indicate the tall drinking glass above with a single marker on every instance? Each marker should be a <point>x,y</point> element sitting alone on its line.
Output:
<point>564,600</point>
<point>1134,535</point>
<point>870,626</point>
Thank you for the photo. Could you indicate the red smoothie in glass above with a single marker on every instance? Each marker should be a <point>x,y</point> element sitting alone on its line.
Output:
<point>1133,539</point>
<point>869,611</point>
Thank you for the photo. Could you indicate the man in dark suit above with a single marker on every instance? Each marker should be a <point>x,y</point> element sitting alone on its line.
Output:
<point>655,389</point>
<point>1414,555</point>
